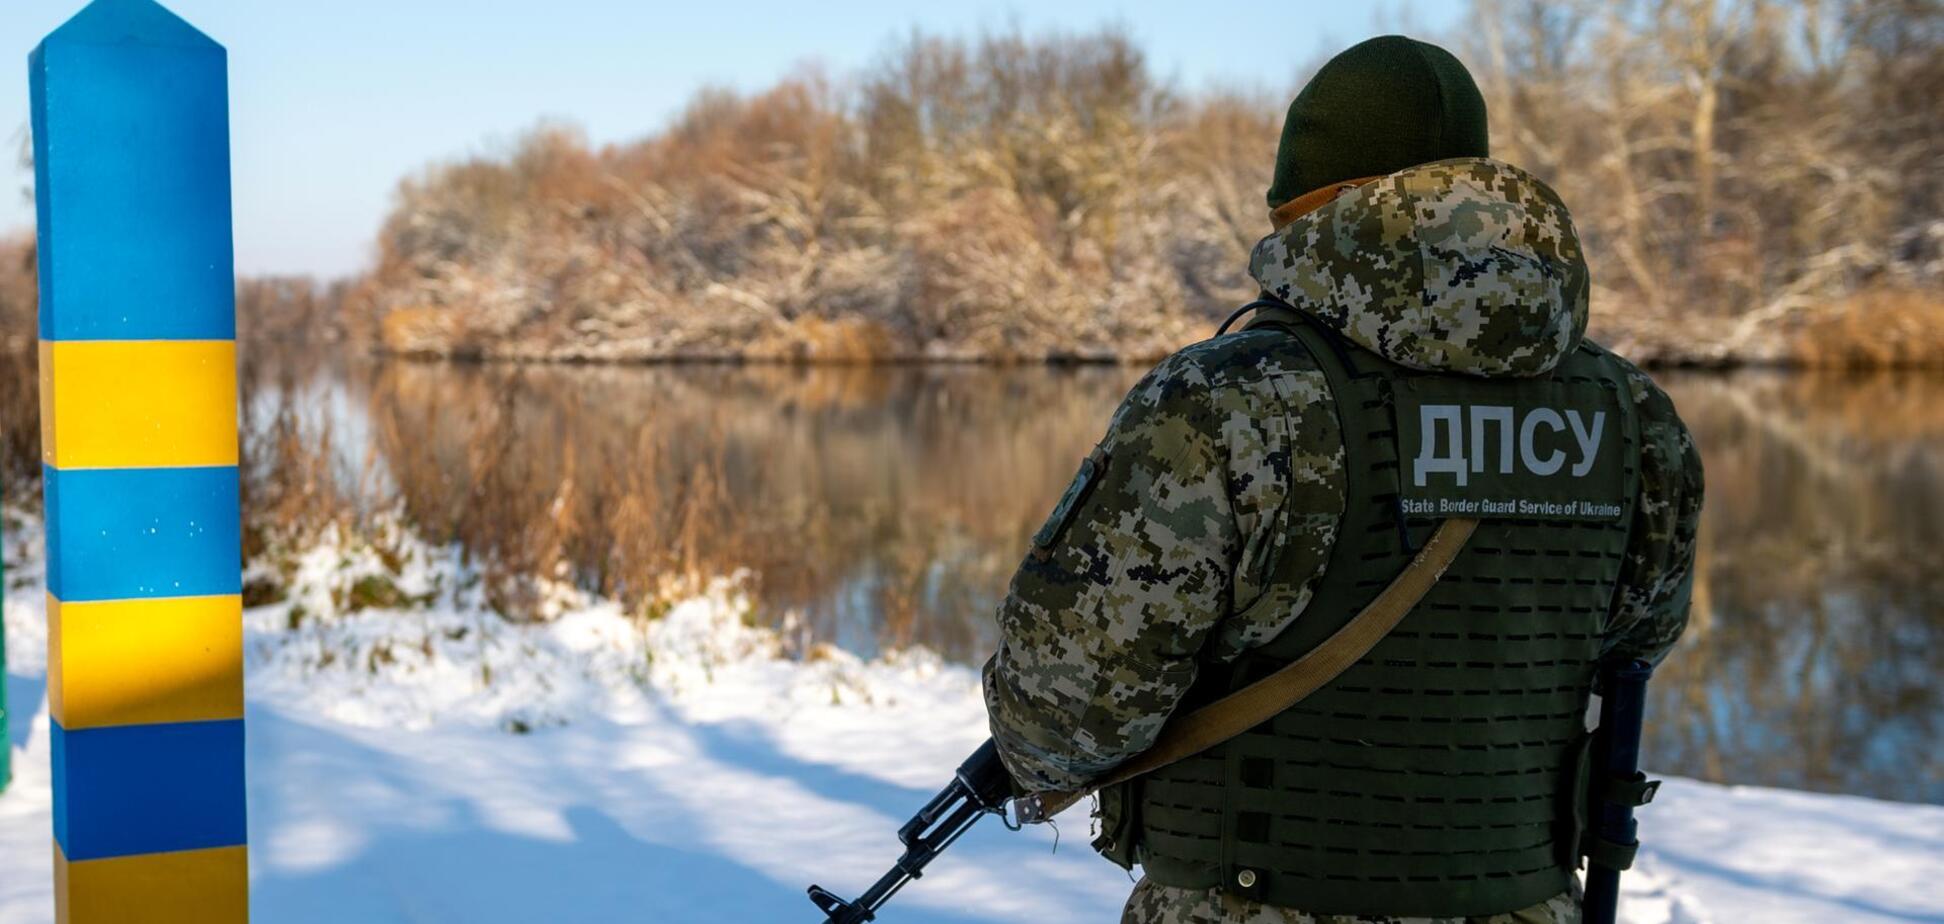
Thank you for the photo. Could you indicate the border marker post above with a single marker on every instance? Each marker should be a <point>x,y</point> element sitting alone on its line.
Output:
<point>139,444</point>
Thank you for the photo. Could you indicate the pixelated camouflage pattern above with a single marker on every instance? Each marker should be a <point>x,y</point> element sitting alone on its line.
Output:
<point>1223,460</point>
<point>1228,455</point>
<point>1466,265</point>
<point>1657,579</point>
<point>1153,903</point>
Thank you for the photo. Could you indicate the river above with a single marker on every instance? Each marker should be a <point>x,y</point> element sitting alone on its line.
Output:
<point>886,507</point>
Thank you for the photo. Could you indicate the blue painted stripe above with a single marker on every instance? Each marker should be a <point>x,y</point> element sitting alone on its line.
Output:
<point>134,212</point>
<point>138,789</point>
<point>139,533</point>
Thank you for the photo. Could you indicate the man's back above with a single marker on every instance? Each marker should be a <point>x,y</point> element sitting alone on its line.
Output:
<point>1208,531</point>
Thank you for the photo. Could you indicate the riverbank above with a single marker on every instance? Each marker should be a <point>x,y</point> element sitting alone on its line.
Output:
<point>1878,329</point>
<point>414,757</point>
<point>1022,198</point>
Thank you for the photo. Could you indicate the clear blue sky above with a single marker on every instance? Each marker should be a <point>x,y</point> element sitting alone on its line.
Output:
<point>333,102</point>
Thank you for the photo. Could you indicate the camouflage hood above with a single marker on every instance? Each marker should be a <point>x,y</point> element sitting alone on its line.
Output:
<point>1466,265</point>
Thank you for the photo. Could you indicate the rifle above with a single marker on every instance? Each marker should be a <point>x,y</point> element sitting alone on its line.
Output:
<point>981,787</point>
<point>1616,788</point>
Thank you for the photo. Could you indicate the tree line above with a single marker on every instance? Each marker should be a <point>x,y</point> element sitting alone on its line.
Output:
<point>1756,180</point>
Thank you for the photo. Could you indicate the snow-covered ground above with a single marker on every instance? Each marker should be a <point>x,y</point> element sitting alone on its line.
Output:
<point>436,764</point>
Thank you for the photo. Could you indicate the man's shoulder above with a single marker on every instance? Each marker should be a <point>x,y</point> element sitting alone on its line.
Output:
<point>1671,461</point>
<point>1651,402</point>
<point>1244,359</point>
<point>1212,393</point>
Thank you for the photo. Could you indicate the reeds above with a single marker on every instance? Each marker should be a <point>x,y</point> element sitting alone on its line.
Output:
<point>534,492</point>
<point>20,454</point>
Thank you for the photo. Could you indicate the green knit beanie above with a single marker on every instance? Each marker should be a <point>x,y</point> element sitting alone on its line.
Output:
<point>1377,108</point>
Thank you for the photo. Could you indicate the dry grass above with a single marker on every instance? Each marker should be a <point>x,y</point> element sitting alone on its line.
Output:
<point>294,486</point>
<point>20,455</point>
<point>633,482</point>
<point>1877,329</point>
<point>500,470</point>
<point>507,471</point>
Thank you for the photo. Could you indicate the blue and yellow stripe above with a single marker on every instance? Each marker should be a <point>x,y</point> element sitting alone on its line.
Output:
<point>139,452</point>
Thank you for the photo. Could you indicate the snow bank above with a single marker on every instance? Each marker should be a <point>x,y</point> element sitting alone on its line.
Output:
<point>393,634</point>
<point>414,757</point>
<point>436,655</point>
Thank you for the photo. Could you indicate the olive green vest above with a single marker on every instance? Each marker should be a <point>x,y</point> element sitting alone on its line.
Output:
<point>1437,776</point>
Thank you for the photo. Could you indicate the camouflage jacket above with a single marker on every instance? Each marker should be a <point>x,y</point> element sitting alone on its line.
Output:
<point>1227,457</point>
<point>1153,903</point>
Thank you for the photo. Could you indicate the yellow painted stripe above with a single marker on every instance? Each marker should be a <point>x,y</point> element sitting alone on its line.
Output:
<point>138,404</point>
<point>186,887</point>
<point>138,662</point>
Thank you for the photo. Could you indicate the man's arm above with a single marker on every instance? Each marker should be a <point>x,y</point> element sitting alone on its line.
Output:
<point>1657,580</point>
<point>1198,489</point>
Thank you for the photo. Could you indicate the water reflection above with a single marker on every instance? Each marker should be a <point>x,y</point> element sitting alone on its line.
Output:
<point>888,507</point>
<point>1818,627</point>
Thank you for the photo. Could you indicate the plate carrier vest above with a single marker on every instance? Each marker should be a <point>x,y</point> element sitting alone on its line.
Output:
<point>1442,774</point>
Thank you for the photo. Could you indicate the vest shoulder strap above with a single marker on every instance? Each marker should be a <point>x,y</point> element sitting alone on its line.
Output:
<point>1263,700</point>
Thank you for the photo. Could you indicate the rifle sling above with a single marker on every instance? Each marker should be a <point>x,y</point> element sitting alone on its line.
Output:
<point>1258,702</point>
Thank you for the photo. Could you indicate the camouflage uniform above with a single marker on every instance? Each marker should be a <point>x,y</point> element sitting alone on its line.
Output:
<point>1227,459</point>
<point>1159,904</point>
